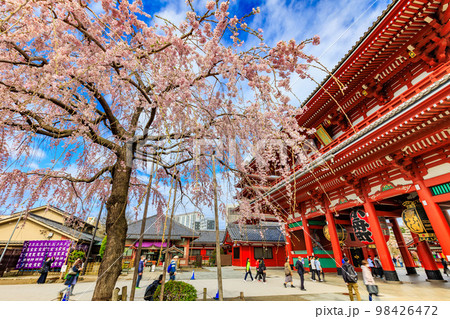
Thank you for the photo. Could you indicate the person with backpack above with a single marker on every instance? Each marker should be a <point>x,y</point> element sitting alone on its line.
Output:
<point>262,270</point>
<point>72,275</point>
<point>378,267</point>
<point>140,271</point>
<point>172,269</point>
<point>288,274</point>
<point>45,269</point>
<point>351,279</point>
<point>248,270</point>
<point>301,273</point>
<point>150,291</point>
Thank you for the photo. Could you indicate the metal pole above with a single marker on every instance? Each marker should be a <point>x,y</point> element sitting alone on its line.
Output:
<point>216,215</point>
<point>12,234</point>
<point>141,236</point>
<point>93,238</point>
<point>166,257</point>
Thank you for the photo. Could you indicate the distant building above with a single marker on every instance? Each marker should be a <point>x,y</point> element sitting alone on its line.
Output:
<point>196,221</point>
<point>232,214</point>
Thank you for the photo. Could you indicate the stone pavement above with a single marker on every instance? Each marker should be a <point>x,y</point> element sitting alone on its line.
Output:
<point>333,289</point>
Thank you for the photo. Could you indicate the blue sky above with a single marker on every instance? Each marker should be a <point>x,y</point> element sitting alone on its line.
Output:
<point>339,23</point>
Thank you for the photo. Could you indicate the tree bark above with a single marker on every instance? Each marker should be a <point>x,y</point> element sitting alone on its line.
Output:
<point>116,231</point>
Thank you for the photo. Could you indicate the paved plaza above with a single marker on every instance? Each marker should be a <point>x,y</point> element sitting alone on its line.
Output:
<point>333,289</point>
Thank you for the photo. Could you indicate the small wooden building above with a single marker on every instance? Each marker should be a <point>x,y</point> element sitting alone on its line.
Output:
<point>205,245</point>
<point>181,237</point>
<point>255,242</point>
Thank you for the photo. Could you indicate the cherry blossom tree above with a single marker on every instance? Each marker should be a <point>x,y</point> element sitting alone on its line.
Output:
<point>108,91</point>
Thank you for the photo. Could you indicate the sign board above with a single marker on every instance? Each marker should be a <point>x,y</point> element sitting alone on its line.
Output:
<point>323,135</point>
<point>36,251</point>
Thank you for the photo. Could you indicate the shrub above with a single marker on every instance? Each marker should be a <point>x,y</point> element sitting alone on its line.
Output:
<point>177,291</point>
<point>74,255</point>
<point>102,248</point>
<point>212,258</point>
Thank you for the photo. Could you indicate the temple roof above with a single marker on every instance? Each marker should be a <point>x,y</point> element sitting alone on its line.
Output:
<point>255,233</point>
<point>154,226</point>
<point>209,237</point>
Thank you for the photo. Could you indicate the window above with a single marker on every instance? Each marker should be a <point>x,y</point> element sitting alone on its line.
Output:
<point>209,252</point>
<point>195,252</point>
<point>263,252</point>
<point>236,252</point>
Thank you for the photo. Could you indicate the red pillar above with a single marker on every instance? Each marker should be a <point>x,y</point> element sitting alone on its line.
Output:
<point>334,241</point>
<point>427,259</point>
<point>288,244</point>
<point>435,215</point>
<point>407,258</point>
<point>307,235</point>
<point>380,242</point>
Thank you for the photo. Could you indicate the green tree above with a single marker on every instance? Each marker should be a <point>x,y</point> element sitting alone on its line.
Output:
<point>74,255</point>
<point>212,258</point>
<point>102,247</point>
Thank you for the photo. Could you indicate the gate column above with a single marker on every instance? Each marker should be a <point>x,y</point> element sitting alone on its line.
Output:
<point>380,242</point>
<point>407,258</point>
<point>427,259</point>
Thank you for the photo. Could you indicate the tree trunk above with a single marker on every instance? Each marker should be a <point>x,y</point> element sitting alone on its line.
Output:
<point>116,231</point>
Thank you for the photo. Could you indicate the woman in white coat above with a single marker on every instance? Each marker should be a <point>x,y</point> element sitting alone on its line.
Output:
<point>367,278</point>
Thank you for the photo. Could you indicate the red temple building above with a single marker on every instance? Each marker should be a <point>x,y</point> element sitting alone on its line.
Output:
<point>381,149</point>
<point>255,242</point>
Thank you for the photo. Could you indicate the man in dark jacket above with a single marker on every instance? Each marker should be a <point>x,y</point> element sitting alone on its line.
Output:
<point>150,291</point>
<point>301,273</point>
<point>140,271</point>
<point>262,269</point>
<point>351,278</point>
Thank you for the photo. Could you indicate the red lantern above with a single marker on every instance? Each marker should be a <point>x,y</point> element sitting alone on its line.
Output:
<point>362,229</point>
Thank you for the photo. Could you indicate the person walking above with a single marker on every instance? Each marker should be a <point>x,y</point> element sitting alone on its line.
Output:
<point>351,279</point>
<point>318,268</point>
<point>368,279</point>
<point>301,273</point>
<point>400,260</point>
<point>262,270</point>
<point>288,274</point>
<point>444,264</point>
<point>258,275</point>
<point>150,291</point>
<point>45,269</point>
<point>379,268</point>
<point>394,260</point>
<point>371,265</point>
<point>72,275</point>
<point>248,270</point>
<point>172,270</point>
<point>140,271</point>
<point>312,266</point>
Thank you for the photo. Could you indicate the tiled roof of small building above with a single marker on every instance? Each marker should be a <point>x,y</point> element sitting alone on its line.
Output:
<point>67,230</point>
<point>209,237</point>
<point>256,233</point>
<point>154,226</point>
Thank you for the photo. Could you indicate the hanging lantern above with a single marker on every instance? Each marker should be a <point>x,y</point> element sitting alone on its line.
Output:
<point>362,229</point>
<point>416,219</point>
<point>341,232</point>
